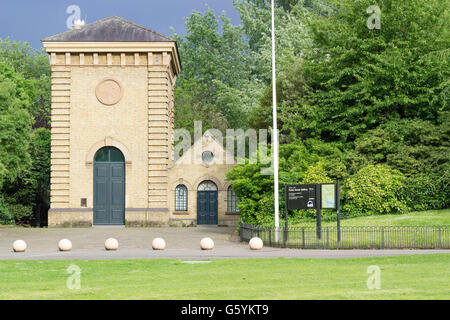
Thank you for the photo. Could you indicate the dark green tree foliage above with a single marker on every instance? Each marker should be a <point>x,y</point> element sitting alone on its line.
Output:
<point>361,78</point>
<point>5,216</point>
<point>410,146</point>
<point>296,118</point>
<point>426,191</point>
<point>29,194</point>
<point>417,148</point>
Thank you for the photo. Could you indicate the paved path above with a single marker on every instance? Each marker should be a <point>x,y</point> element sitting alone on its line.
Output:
<point>135,243</point>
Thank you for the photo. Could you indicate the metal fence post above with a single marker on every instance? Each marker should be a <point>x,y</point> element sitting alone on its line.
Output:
<point>303,237</point>
<point>270,236</point>
<point>328,244</point>
<point>439,243</point>
<point>382,237</point>
<point>241,230</point>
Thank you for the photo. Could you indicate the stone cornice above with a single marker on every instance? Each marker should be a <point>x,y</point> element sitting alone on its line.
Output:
<point>121,47</point>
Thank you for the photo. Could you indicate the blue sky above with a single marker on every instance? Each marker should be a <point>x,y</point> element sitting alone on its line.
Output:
<point>32,20</point>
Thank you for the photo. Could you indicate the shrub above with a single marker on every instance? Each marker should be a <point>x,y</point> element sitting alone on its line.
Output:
<point>21,214</point>
<point>427,191</point>
<point>374,189</point>
<point>5,215</point>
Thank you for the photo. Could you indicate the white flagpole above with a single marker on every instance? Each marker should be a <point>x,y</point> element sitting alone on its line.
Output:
<point>275,129</point>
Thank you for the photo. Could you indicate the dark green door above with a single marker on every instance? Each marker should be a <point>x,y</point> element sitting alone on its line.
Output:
<point>207,207</point>
<point>109,187</point>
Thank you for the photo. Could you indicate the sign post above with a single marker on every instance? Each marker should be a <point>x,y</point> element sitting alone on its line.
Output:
<point>330,200</point>
<point>285,216</point>
<point>301,196</point>
<point>318,212</point>
<point>313,196</point>
<point>338,201</point>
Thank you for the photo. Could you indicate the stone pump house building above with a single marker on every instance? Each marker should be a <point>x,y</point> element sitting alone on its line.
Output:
<point>112,134</point>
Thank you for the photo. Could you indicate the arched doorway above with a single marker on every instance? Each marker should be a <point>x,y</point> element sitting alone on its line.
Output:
<point>207,204</point>
<point>109,187</point>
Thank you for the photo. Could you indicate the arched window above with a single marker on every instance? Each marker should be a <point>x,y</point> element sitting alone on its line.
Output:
<point>109,154</point>
<point>181,198</point>
<point>207,185</point>
<point>231,200</point>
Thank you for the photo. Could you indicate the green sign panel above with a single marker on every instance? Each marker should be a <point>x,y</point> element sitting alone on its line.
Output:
<point>328,192</point>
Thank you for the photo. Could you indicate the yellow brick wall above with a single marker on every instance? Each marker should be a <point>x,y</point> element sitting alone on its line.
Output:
<point>60,141</point>
<point>125,122</point>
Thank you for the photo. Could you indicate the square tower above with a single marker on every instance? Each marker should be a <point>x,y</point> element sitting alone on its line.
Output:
<point>111,124</point>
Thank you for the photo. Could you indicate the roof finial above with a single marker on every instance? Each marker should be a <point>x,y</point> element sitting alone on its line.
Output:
<point>78,24</point>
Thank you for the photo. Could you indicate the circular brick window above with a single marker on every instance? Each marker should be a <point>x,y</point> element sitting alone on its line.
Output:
<point>109,92</point>
<point>207,156</point>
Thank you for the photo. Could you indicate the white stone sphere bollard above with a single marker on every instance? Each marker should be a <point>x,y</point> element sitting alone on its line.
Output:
<point>158,244</point>
<point>206,244</point>
<point>19,246</point>
<point>65,245</point>
<point>255,243</point>
<point>111,244</point>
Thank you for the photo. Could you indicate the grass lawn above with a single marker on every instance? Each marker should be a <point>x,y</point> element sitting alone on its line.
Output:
<point>402,277</point>
<point>418,218</point>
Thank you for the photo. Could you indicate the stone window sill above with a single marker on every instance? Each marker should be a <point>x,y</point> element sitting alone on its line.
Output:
<point>235,213</point>
<point>181,213</point>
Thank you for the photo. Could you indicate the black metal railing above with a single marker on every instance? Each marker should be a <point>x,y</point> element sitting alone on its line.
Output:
<point>360,237</point>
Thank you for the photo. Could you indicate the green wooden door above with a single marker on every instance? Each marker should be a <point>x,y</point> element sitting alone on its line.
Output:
<point>207,207</point>
<point>109,187</point>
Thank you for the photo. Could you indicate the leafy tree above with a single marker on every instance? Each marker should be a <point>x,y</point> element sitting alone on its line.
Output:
<point>410,146</point>
<point>350,99</point>
<point>361,78</point>
<point>285,4</point>
<point>225,72</point>
<point>426,191</point>
<point>34,66</point>
<point>31,188</point>
<point>216,83</point>
<point>15,126</point>
<point>25,95</point>
<point>296,118</point>
<point>16,95</point>
<point>291,35</point>
<point>5,215</point>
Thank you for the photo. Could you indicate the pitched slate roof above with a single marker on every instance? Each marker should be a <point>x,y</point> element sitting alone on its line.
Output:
<point>112,29</point>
